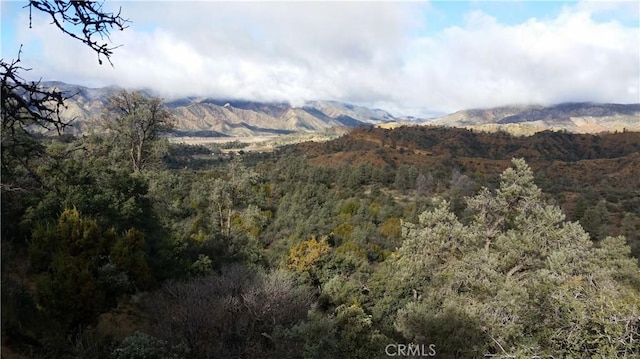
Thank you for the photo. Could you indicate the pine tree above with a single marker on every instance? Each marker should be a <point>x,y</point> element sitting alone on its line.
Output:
<point>517,279</point>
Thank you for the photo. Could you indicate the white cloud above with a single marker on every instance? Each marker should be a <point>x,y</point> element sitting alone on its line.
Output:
<point>570,58</point>
<point>367,53</point>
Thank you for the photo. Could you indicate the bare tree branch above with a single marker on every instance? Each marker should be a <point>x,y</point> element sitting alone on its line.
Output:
<point>84,21</point>
<point>28,106</point>
<point>25,107</point>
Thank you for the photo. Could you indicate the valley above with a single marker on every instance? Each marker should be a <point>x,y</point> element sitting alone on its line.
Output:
<point>326,215</point>
<point>304,180</point>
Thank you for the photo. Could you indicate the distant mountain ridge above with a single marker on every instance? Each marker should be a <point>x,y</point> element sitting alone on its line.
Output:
<point>208,117</point>
<point>211,117</point>
<point>578,117</point>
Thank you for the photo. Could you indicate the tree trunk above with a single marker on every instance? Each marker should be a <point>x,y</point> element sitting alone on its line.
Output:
<point>139,156</point>
<point>229,223</point>
<point>133,159</point>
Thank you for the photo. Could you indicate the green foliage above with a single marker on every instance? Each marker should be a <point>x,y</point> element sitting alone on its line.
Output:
<point>313,338</point>
<point>218,214</point>
<point>369,254</point>
<point>405,178</point>
<point>305,211</point>
<point>517,279</point>
<point>594,219</point>
<point>203,265</point>
<point>144,346</point>
<point>67,258</point>
<point>340,290</point>
<point>346,333</point>
<point>305,256</point>
<point>94,186</point>
<point>135,123</point>
<point>391,228</point>
<point>454,333</point>
<point>128,254</point>
<point>82,269</point>
<point>357,337</point>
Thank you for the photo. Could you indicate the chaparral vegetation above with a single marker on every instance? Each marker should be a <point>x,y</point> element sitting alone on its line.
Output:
<point>120,244</point>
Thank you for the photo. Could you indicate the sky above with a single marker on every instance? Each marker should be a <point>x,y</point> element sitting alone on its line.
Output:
<point>410,58</point>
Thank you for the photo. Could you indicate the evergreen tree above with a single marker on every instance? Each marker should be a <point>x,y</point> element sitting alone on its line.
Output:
<point>136,123</point>
<point>517,280</point>
<point>82,269</point>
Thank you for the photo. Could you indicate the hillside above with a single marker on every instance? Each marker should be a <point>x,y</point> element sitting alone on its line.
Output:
<point>603,167</point>
<point>573,117</point>
<point>317,241</point>
<point>206,117</point>
<point>424,145</point>
<point>211,117</point>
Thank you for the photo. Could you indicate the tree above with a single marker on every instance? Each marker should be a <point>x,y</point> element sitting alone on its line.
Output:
<point>304,256</point>
<point>228,315</point>
<point>224,198</point>
<point>27,109</point>
<point>140,345</point>
<point>74,177</point>
<point>425,184</point>
<point>82,269</point>
<point>405,178</point>
<point>516,280</point>
<point>594,220</point>
<point>137,122</point>
<point>67,289</point>
<point>27,105</point>
<point>70,16</point>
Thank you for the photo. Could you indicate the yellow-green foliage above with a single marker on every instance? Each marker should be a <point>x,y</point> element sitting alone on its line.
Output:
<point>128,255</point>
<point>344,230</point>
<point>352,248</point>
<point>391,228</point>
<point>81,269</point>
<point>304,256</point>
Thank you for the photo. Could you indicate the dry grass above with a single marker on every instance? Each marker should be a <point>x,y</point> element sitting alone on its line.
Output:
<point>265,143</point>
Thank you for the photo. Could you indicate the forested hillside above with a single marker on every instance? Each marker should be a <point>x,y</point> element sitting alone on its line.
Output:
<point>412,242</point>
<point>418,238</point>
<point>594,178</point>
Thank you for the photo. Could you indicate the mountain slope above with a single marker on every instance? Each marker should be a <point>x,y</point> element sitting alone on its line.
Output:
<point>574,117</point>
<point>219,117</point>
<point>201,116</point>
<point>424,146</point>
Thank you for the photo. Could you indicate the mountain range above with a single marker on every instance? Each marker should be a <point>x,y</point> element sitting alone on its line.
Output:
<point>582,117</point>
<point>211,117</point>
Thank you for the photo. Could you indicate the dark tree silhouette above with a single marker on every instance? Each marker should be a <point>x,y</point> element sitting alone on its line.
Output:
<point>83,21</point>
<point>27,106</point>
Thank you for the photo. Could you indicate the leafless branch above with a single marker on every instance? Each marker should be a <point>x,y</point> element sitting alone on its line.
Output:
<point>84,21</point>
